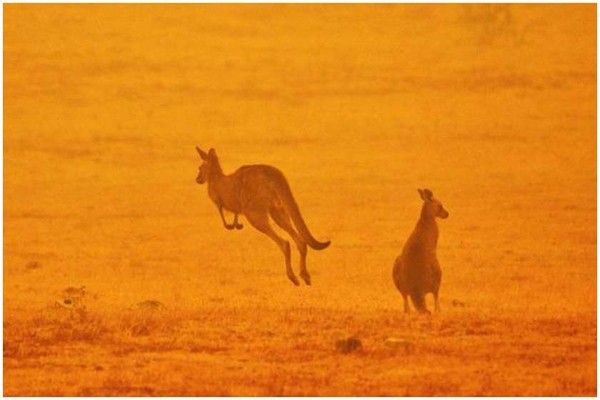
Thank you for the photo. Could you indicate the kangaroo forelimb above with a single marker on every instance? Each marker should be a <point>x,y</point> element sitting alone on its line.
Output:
<point>236,224</point>
<point>225,224</point>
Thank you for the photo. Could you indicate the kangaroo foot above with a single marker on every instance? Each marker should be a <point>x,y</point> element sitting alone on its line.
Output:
<point>229,227</point>
<point>293,278</point>
<point>305,276</point>
<point>239,226</point>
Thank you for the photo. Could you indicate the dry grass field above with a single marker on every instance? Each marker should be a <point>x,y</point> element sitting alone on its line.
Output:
<point>492,107</point>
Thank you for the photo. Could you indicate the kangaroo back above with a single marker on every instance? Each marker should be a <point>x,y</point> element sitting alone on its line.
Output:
<point>291,207</point>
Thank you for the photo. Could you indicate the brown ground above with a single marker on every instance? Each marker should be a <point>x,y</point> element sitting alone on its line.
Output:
<point>492,107</point>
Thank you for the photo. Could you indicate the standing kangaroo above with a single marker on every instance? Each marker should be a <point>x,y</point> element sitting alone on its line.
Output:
<point>417,271</point>
<point>257,191</point>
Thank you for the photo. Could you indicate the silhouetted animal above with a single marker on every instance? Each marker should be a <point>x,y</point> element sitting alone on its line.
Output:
<point>257,192</point>
<point>417,271</point>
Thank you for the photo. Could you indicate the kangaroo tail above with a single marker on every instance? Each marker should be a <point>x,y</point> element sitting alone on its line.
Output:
<point>293,210</point>
<point>418,300</point>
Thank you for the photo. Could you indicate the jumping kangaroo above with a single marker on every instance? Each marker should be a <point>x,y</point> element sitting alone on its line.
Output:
<point>257,191</point>
<point>417,271</point>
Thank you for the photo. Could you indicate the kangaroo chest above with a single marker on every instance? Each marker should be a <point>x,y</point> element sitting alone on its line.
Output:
<point>225,194</point>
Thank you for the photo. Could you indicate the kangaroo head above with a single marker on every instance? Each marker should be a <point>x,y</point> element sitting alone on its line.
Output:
<point>432,207</point>
<point>210,163</point>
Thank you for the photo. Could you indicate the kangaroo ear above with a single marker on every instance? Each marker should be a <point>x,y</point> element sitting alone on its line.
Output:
<point>212,153</point>
<point>428,194</point>
<point>425,194</point>
<point>203,154</point>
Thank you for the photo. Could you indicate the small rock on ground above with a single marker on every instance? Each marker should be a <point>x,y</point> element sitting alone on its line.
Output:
<point>149,305</point>
<point>348,345</point>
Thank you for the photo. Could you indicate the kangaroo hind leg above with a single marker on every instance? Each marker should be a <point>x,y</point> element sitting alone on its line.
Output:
<point>405,300</point>
<point>437,301</point>
<point>283,220</point>
<point>260,221</point>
